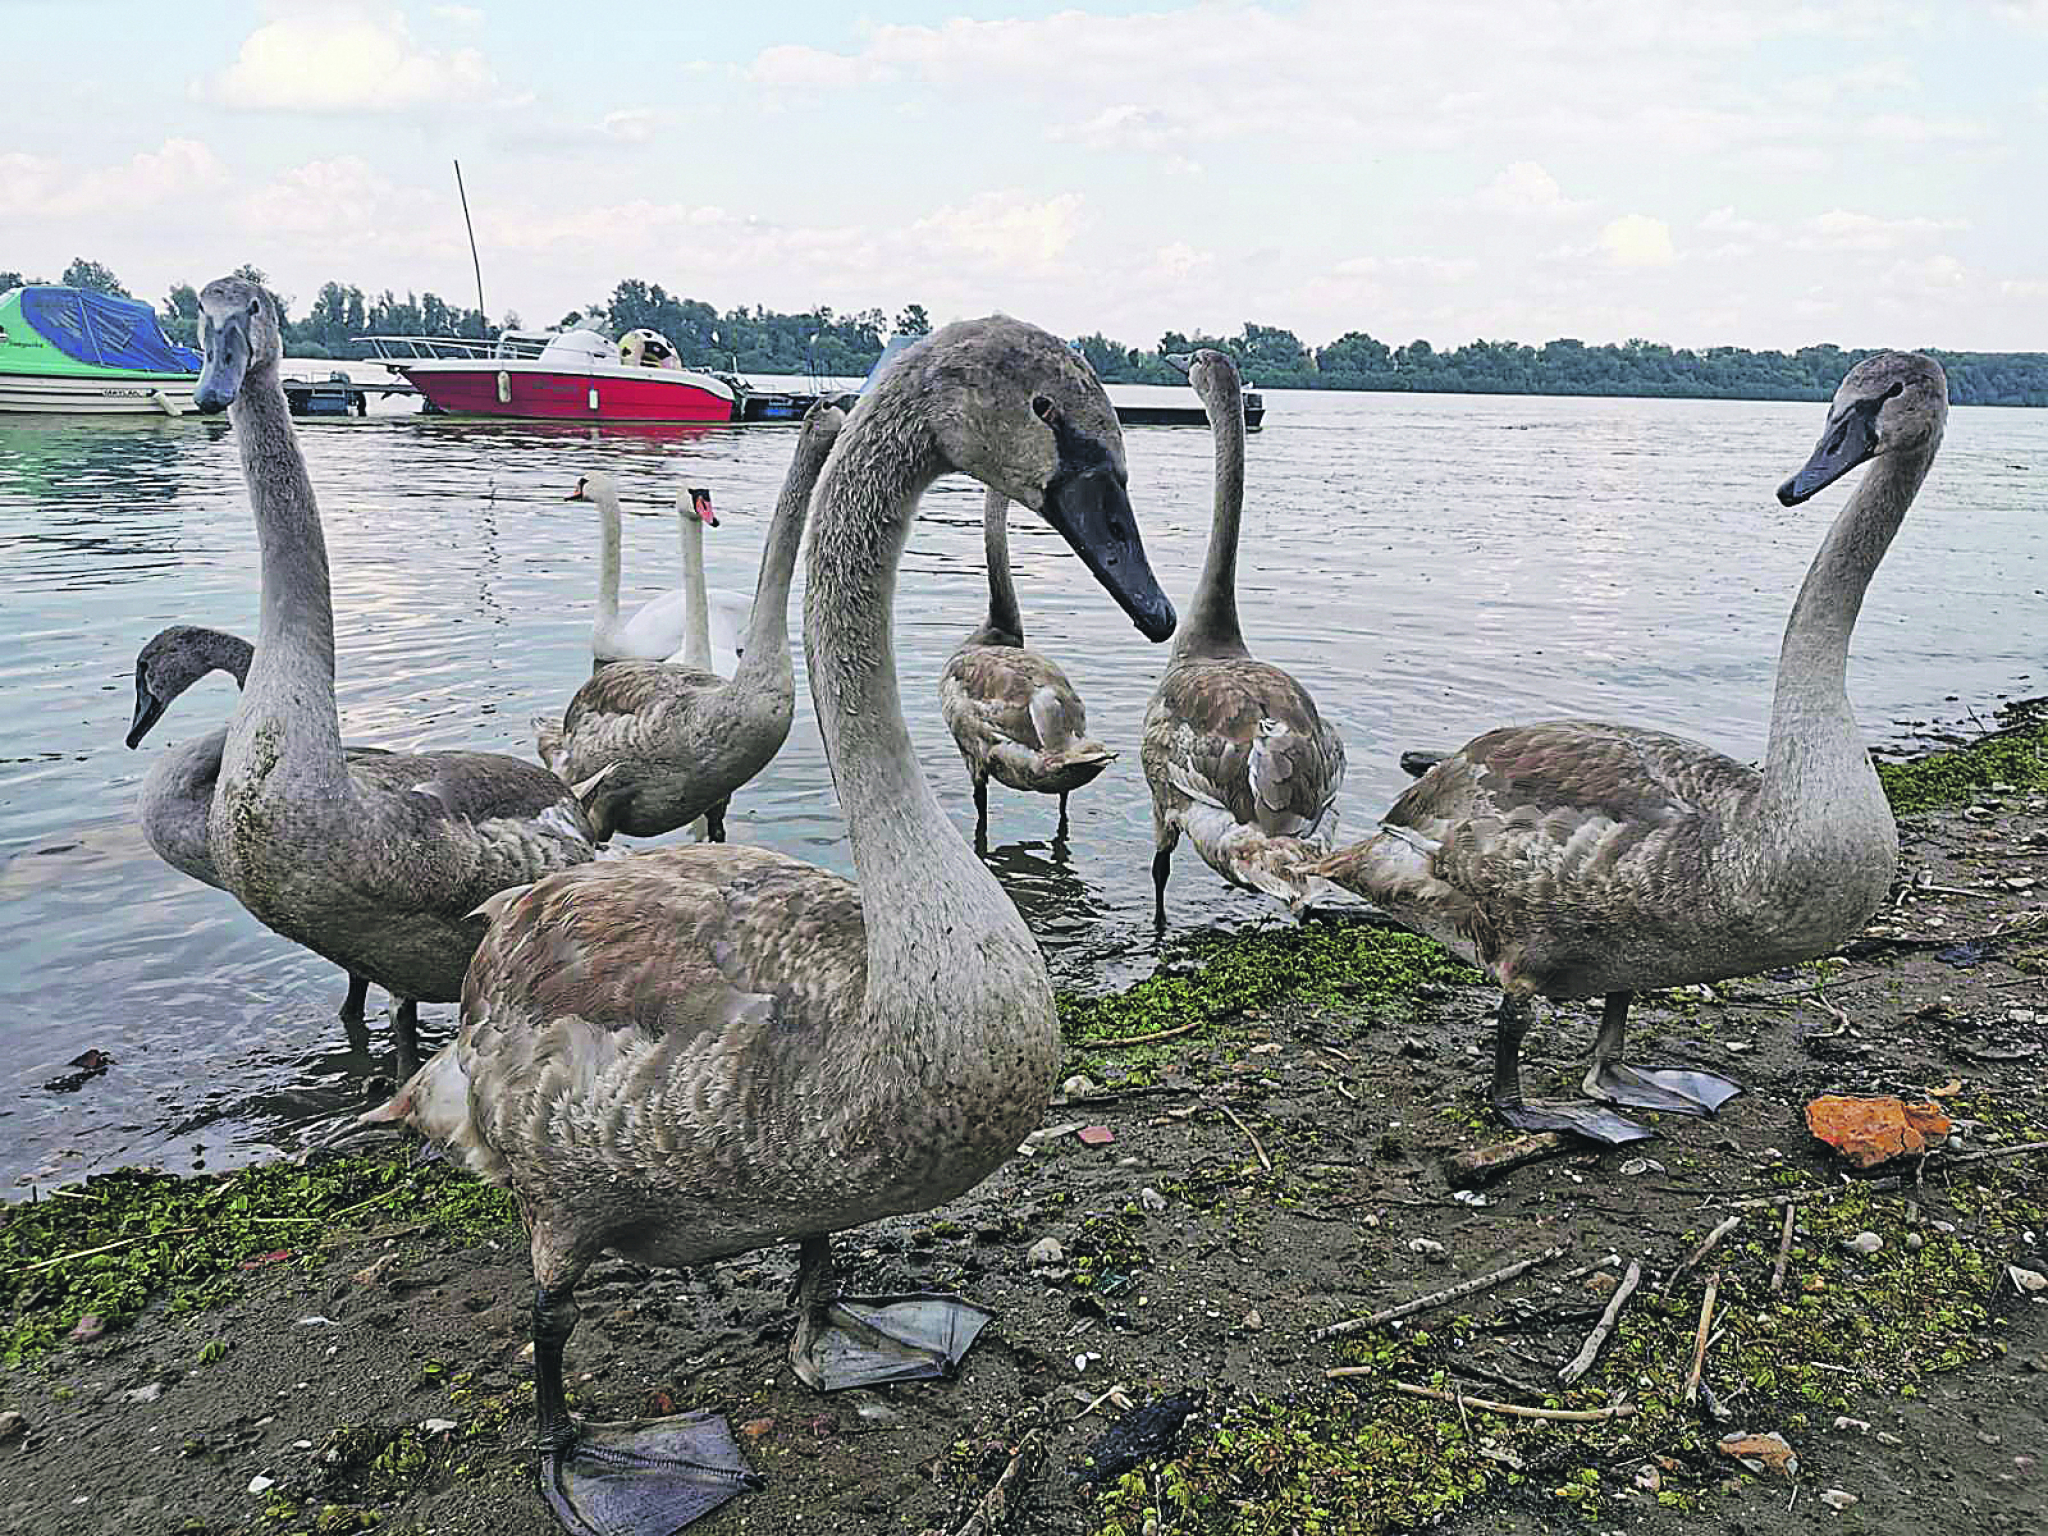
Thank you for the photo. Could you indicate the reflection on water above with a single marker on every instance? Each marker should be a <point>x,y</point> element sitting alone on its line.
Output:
<point>1429,566</point>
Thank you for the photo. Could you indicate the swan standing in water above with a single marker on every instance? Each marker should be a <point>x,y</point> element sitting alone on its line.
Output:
<point>699,1051</point>
<point>1235,754</point>
<point>1012,712</point>
<point>662,628</point>
<point>1573,859</point>
<point>380,872</point>
<point>653,746</point>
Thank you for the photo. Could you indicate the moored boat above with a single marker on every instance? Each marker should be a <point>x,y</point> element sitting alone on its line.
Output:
<point>74,350</point>
<point>573,375</point>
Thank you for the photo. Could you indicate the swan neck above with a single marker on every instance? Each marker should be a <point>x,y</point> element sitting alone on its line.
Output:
<point>1004,625</point>
<point>1815,739</point>
<point>947,951</point>
<point>767,652</point>
<point>290,680</point>
<point>696,615</point>
<point>1212,628</point>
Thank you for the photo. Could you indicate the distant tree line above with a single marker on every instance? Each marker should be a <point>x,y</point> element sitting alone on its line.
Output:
<point>818,341</point>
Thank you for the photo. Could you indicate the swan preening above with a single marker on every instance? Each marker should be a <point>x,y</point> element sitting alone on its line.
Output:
<point>1235,754</point>
<point>652,745</point>
<point>697,626</point>
<point>1573,859</point>
<point>703,1050</point>
<point>1012,712</point>
<point>382,878</point>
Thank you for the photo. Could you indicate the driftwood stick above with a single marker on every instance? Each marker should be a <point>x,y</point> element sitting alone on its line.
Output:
<point>1161,1034</point>
<point>1713,1241</point>
<point>1436,1298</point>
<point>1582,1362</point>
<point>1784,1250</point>
<point>1485,1405</point>
<point>1466,1169</point>
<point>995,1508</point>
<point>1699,1343</point>
<point>87,1253</point>
<point>1994,1152</point>
<point>1265,1162</point>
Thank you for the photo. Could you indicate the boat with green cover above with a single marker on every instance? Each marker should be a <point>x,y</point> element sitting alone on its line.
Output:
<point>71,349</point>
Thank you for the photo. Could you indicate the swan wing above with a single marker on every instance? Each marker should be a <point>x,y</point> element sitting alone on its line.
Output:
<point>1204,725</point>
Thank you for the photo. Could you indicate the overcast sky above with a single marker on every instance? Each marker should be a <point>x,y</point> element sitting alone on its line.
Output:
<point>1761,174</point>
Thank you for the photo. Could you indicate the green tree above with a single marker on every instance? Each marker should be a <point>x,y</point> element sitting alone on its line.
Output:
<point>180,314</point>
<point>90,274</point>
<point>913,321</point>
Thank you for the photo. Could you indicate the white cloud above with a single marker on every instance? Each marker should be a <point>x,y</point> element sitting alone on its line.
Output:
<point>1526,190</point>
<point>54,190</point>
<point>1840,229</point>
<point>1637,240</point>
<point>1007,229</point>
<point>347,60</point>
<point>1926,274</point>
<point>460,15</point>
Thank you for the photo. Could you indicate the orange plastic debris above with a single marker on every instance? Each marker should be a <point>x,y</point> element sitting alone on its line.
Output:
<point>1871,1132</point>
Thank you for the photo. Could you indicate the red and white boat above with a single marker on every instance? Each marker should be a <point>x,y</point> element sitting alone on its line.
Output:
<point>574,375</point>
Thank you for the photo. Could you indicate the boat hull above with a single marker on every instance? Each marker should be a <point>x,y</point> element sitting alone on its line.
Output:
<point>98,395</point>
<point>643,394</point>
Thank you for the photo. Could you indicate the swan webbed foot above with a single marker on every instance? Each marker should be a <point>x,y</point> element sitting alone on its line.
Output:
<point>1678,1090</point>
<point>866,1341</point>
<point>649,1477</point>
<point>1577,1117</point>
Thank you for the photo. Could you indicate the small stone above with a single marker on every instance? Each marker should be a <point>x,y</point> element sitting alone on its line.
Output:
<point>1151,1199</point>
<point>1649,1479</point>
<point>1860,1426</point>
<point>1095,1135</point>
<point>1269,1048</point>
<point>1886,1437</point>
<point>1864,1244</point>
<point>2024,1463</point>
<point>1045,1253</point>
<point>436,1426</point>
<point>754,1430</point>
<point>1836,1499</point>
<point>146,1394</point>
<point>1762,1453</point>
<point>1470,1197</point>
<point>1915,1242</point>
<point>376,1270</point>
<point>12,1424</point>
<point>1078,1086</point>
<point>1253,1321</point>
<point>1985,1438</point>
<point>261,1484</point>
<point>1430,1249</point>
<point>2019,1015</point>
<point>89,1328</point>
<point>2027,1281</point>
<point>1636,1167</point>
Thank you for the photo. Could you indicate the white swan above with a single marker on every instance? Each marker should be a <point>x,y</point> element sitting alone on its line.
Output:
<point>1576,859</point>
<point>652,746</point>
<point>699,1051</point>
<point>1235,754</point>
<point>381,879</point>
<point>661,628</point>
<point>1013,714</point>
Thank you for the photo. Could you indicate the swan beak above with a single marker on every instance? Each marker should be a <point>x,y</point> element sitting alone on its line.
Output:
<point>1846,443</point>
<point>1092,512</point>
<point>700,503</point>
<point>1181,360</point>
<point>227,360</point>
<point>148,710</point>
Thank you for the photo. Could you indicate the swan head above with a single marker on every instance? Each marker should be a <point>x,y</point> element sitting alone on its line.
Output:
<point>595,486</point>
<point>1012,406</point>
<point>173,660</point>
<point>700,504</point>
<point>1213,373</point>
<point>238,330</point>
<point>1888,403</point>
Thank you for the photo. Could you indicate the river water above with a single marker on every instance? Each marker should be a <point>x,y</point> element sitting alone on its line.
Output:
<point>1428,565</point>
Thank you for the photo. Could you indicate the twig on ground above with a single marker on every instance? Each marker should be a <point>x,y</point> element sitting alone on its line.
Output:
<point>1784,1250</point>
<point>1160,1034</point>
<point>995,1508</point>
<point>87,1253</point>
<point>1096,1403</point>
<point>1265,1162</point>
<point>1466,1169</point>
<point>1118,1095</point>
<point>1713,1240</point>
<point>1456,1292</point>
<point>1699,1344</point>
<point>1485,1405</point>
<point>1991,1153</point>
<point>1582,1362</point>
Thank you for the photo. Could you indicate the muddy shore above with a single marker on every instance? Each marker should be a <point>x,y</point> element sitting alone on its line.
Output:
<point>338,1346</point>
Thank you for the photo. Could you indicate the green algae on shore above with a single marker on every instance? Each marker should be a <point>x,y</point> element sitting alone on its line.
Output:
<point>2015,756</point>
<point>123,1241</point>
